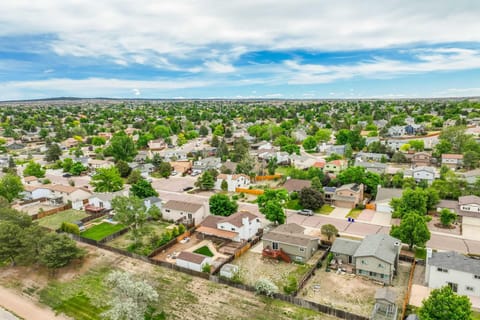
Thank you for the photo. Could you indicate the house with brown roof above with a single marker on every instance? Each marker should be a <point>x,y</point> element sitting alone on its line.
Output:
<point>31,180</point>
<point>348,195</point>
<point>181,166</point>
<point>70,143</point>
<point>184,211</point>
<point>234,181</point>
<point>469,206</point>
<point>292,240</point>
<point>155,146</point>
<point>192,261</point>
<point>421,159</point>
<point>240,226</point>
<point>58,194</point>
<point>295,185</point>
<point>453,161</point>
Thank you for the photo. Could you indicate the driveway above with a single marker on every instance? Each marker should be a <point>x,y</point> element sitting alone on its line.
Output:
<point>339,213</point>
<point>471,228</point>
<point>381,218</point>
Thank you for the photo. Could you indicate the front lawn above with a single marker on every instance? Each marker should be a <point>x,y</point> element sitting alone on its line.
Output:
<point>102,230</point>
<point>325,209</point>
<point>293,205</point>
<point>204,251</point>
<point>354,213</point>
<point>55,221</point>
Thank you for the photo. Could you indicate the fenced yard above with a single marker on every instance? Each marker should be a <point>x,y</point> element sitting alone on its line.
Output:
<point>54,222</point>
<point>350,292</point>
<point>102,230</point>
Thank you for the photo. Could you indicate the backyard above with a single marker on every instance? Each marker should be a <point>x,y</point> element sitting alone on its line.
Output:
<point>350,292</point>
<point>102,230</point>
<point>54,221</point>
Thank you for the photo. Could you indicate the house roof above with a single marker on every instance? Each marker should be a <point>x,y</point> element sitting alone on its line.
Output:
<point>191,257</point>
<point>381,246</point>
<point>354,187</point>
<point>236,218</point>
<point>469,200</point>
<point>107,196</point>
<point>296,184</point>
<point>211,221</point>
<point>387,194</point>
<point>345,246</point>
<point>153,199</point>
<point>213,231</point>
<point>386,294</point>
<point>424,168</point>
<point>319,164</point>
<point>223,176</point>
<point>455,261</point>
<point>182,206</point>
<point>452,156</point>
<point>448,204</point>
<point>329,189</point>
<point>336,162</point>
<point>291,234</point>
<point>471,173</point>
<point>61,188</point>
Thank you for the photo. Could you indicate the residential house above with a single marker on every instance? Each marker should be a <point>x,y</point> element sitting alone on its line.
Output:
<point>155,146</point>
<point>207,164</point>
<point>292,240</point>
<point>99,164</point>
<point>130,131</point>
<point>57,194</point>
<point>348,195</point>
<point>469,206</point>
<point>229,167</point>
<point>299,135</point>
<point>106,135</point>
<point>152,201</point>
<point>283,158</point>
<point>421,159</point>
<point>453,161</point>
<point>15,146</point>
<point>449,123</point>
<point>336,149</point>
<point>471,176</point>
<point>395,144</point>
<point>380,123</point>
<point>70,143</point>
<point>184,211</point>
<point>328,193</point>
<point>375,257</point>
<point>31,180</point>
<point>302,162</point>
<point>192,261</point>
<point>295,185</point>
<point>369,140</point>
<point>459,272</point>
<point>234,181</point>
<point>368,156</point>
<point>238,227</point>
<point>175,155</point>
<point>33,192</point>
<point>336,166</point>
<point>371,166</point>
<point>424,173</point>
<point>100,201</point>
<point>384,197</point>
<point>396,131</point>
<point>141,157</point>
<point>319,164</point>
<point>182,167</point>
<point>262,145</point>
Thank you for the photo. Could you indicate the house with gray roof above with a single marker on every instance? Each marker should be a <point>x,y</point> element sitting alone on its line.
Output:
<point>185,211</point>
<point>384,197</point>
<point>103,200</point>
<point>371,166</point>
<point>453,269</point>
<point>375,257</point>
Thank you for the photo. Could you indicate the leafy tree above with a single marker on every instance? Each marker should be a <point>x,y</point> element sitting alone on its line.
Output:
<point>323,135</point>
<point>181,140</point>
<point>411,200</point>
<point>224,185</point>
<point>348,151</point>
<point>122,147</point>
<point>354,138</point>
<point>53,153</point>
<point>471,159</point>
<point>203,131</point>
<point>156,160</point>
<point>10,187</point>
<point>291,149</point>
<point>329,230</point>
<point>240,149</point>
<point>272,165</point>
<point>310,143</point>
<point>107,180</point>
<point>246,165</point>
<point>98,141</point>
<point>205,181</point>
<point>77,168</point>
<point>413,230</point>
<point>444,304</point>
<point>360,175</point>
<point>399,157</point>
<point>143,189</point>
<point>221,205</point>
<point>165,169</point>
<point>161,131</point>
<point>310,198</point>
<point>417,145</point>
<point>270,204</point>
<point>123,168</point>
<point>67,164</point>
<point>134,177</point>
<point>317,184</point>
<point>10,242</point>
<point>34,169</point>
<point>447,217</point>
<point>130,298</point>
<point>215,141</point>
<point>131,211</point>
<point>58,250</point>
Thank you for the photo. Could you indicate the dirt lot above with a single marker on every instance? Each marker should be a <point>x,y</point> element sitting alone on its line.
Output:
<point>181,296</point>
<point>350,292</point>
<point>35,207</point>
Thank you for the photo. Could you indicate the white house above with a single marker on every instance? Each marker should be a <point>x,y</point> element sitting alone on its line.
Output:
<point>395,144</point>
<point>460,272</point>
<point>453,161</point>
<point>152,201</point>
<point>58,193</point>
<point>470,204</point>
<point>104,200</point>
<point>36,192</point>
<point>175,210</point>
<point>192,261</point>
<point>240,226</point>
<point>422,173</point>
<point>233,180</point>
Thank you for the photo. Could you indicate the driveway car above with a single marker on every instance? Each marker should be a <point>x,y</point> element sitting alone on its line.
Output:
<point>305,212</point>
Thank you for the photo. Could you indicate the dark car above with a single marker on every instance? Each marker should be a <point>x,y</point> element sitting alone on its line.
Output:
<point>305,212</point>
<point>187,188</point>
<point>67,175</point>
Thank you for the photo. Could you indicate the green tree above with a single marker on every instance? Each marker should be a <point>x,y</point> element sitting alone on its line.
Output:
<point>107,180</point>
<point>53,153</point>
<point>317,184</point>
<point>143,189</point>
<point>181,140</point>
<point>329,230</point>
<point>412,230</point>
<point>310,143</point>
<point>270,204</point>
<point>411,200</point>
<point>98,141</point>
<point>205,181</point>
<point>221,205</point>
<point>131,211</point>
<point>161,131</point>
<point>77,168</point>
<point>471,159</point>
<point>34,169</point>
<point>444,304</point>
<point>165,169</point>
<point>10,187</point>
<point>10,241</point>
<point>323,135</point>
<point>122,147</point>
<point>123,168</point>
<point>58,250</point>
<point>447,217</point>
<point>224,185</point>
<point>203,131</point>
<point>417,145</point>
<point>134,177</point>
<point>272,165</point>
<point>310,198</point>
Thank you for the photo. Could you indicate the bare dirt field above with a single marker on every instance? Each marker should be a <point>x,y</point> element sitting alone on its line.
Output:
<point>350,292</point>
<point>181,296</point>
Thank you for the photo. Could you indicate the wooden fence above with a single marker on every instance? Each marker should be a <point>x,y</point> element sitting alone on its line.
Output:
<point>270,177</point>
<point>47,213</point>
<point>249,191</point>
<point>409,290</point>
<point>310,273</point>
<point>93,216</point>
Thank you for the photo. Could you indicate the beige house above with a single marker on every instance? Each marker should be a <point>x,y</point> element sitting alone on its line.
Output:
<point>234,181</point>
<point>181,166</point>
<point>375,257</point>
<point>335,166</point>
<point>155,146</point>
<point>291,239</point>
<point>238,227</point>
<point>348,195</point>
<point>186,212</point>
<point>452,161</point>
<point>421,159</point>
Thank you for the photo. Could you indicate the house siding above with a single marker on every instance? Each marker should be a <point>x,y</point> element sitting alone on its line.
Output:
<point>374,268</point>
<point>294,251</point>
<point>437,279</point>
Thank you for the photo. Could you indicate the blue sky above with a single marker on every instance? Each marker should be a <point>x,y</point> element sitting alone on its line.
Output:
<point>239,49</point>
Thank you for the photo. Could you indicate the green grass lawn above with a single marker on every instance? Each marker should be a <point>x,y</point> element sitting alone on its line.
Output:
<point>204,251</point>
<point>293,205</point>
<point>152,227</point>
<point>102,230</point>
<point>282,170</point>
<point>354,213</point>
<point>475,315</point>
<point>325,209</point>
<point>420,253</point>
<point>55,221</point>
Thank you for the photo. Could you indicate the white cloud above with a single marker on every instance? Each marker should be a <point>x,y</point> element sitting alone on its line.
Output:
<point>136,92</point>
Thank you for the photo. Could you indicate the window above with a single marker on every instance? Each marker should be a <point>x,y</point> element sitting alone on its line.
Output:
<point>167,210</point>
<point>469,288</point>
<point>442,270</point>
<point>233,229</point>
<point>301,249</point>
<point>381,265</point>
<point>364,262</point>
<point>275,245</point>
<point>298,258</point>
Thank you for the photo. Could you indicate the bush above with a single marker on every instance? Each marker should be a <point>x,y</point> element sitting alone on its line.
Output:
<point>291,285</point>
<point>294,196</point>
<point>175,232</point>
<point>70,228</point>
<point>235,197</point>
<point>266,287</point>
<point>330,257</point>
<point>181,229</point>
<point>360,206</point>
<point>206,268</point>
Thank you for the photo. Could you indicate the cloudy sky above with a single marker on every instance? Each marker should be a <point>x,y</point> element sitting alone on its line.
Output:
<point>239,48</point>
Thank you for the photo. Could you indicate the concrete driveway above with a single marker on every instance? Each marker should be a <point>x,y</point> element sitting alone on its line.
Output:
<point>339,213</point>
<point>471,228</point>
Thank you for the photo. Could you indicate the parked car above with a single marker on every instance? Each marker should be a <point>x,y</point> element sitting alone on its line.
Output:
<point>67,175</point>
<point>187,188</point>
<point>305,212</point>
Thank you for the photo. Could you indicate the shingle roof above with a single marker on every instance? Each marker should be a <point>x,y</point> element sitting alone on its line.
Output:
<point>288,234</point>
<point>468,200</point>
<point>455,261</point>
<point>452,156</point>
<point>153,199</point>
<point>191,257</point>
<point>236,218</point>
<point>381,246</point>
<point>182,206</point>
<point>107,196</point>
<point>296,184</point>
<point>211,221</point>
<point>388,193</point>
<point>345,246</point>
